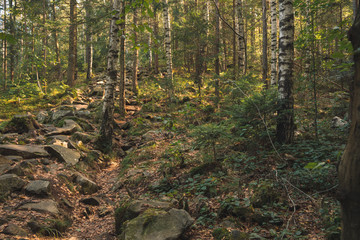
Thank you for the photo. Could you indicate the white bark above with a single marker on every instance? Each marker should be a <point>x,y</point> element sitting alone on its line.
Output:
<point>106,129</point>
<point>273,4</point>
<point>285,120</point>
<point>168,48</point>
<point>241,53</point>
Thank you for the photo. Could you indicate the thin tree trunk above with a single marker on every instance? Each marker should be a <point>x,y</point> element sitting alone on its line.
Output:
<point>242,44</point>
<point>72,58</point>
<point>169,68</point>
<point>285,118</point>
<point>11,45</point>
<point>273,4</point>
<point>217,53</point>
<point>5,49</point>
<point>122,103</point>
<point>235,40</point>
<point>264,45</point>
<point>156,35</point>
<point>106,128</point>
<point>150,52</point>
<point>44,68</point>
<point>136,56</point>
<point>89,45</point>
<point>56,42</point>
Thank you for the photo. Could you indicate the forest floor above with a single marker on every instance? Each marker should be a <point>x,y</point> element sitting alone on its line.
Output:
<point>235,188</point>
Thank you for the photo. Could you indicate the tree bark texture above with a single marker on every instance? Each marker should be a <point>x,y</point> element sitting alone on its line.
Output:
<point>273,4</point>
<point>88,39</point>
<point>56,42</point>
<point>122,111</point>
<point>169,67</point>
<point>217,53</point>
<point>72,57</point>
<point>5,50</point>
<point>136,56</point>
<point>242,45</point>
<point>156,35</point>
<point>349,168</point>
<point>12,50</point>
<point>106,128</point>
<point>264,44</point>
<point>285,118</point>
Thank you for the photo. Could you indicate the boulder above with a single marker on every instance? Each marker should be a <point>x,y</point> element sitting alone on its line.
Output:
<point>14,230</point>
<point>48,206</point>
<point>70,126</point>
<point>338,122</point>
<point>63,154</point>
<point>157,224</point>
<point>38,187</point>
<point>10,182</point>
<point>58,114</point>
<point>86,185</point>
<point>42,116</point>
<point>21,124</point>
<point>5,164</point>
<point>25,151</point>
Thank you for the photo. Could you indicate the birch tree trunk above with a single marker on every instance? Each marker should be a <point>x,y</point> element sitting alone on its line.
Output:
<point>122,111</point>
<point>242,45</point>
<point>264,44</point>
<point>136,56</point>
<point>156,34</point>
<point>169,75</point>
<point>88,39</point>
<point>285,118</point>
<point>106,128</point>
<point>273,4</point>
<point>349,168</point>
<point>72,58</point>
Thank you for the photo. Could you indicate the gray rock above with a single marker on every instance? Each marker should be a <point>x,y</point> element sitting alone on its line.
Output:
<point>69,128</point>
<point>42,116</point>
<point>57,114</point>
<point>63,154</point>
<point>86,185</point>
<point>38,187</point>
<point>83,113</point>
<point>157,224</point>
<point>338,122</point>
<point>48,206</point>
<point>21,124</point>
<point>14,230</point>
<point>5,164</point>
<point>45,161</point>
<point>17,170</point>
<point>10,182</point>
<point>25,151</point>
<point>14,158</point>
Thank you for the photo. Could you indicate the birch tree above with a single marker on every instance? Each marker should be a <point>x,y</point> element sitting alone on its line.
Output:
<point>88,39</point>
<point>122,111</point>
<point>349,168</point>
<point>242,45</point>
<point>264,44</point>
<point>273,62</point>
<point>169,67</point>
<point>285,118</point>
<point>106,128</point>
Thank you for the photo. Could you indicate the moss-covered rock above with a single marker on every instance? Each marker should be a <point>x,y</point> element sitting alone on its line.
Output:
<point>157,224</point>
<point>264,193</point>
<point>21,124</point>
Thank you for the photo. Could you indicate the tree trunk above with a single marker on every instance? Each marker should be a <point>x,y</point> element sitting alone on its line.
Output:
<point>264,45</point>
<point>122,103</point>
<point>72,58</point>
<point>273,4</point>
<point>56,42</point>
<point>285,118</point>
<point>217,53</point>
<point>5,50</point>
<point>242,44</point>
<point>11,45</point>
<point>106,128</point>
<point>88,39</point>
<point>44,69</point>
<point>349,168</point>
<point>136,56</point>
<point>169,75</point>
<point>234,40</point>
<point>156,35</point>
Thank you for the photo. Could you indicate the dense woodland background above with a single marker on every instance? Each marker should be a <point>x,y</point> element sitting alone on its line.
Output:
<point>207,82</point>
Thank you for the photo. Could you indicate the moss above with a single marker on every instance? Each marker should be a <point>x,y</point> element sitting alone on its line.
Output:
<point>221,234</point>
<point>122,215</point>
